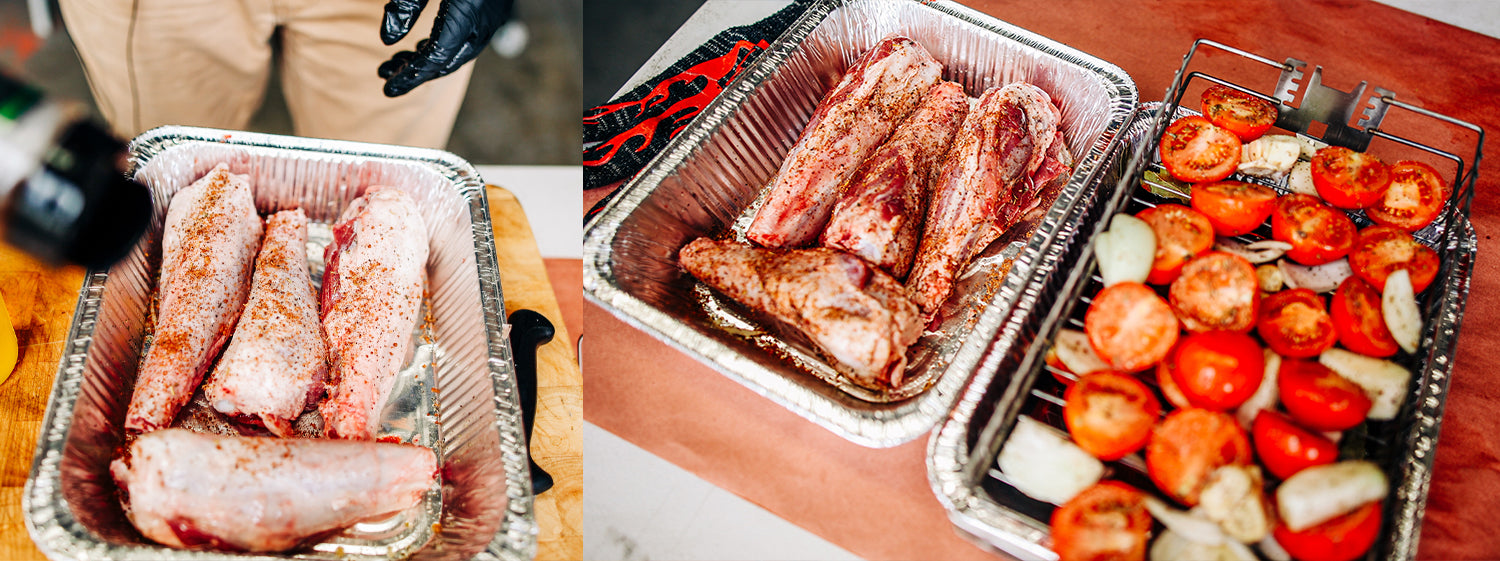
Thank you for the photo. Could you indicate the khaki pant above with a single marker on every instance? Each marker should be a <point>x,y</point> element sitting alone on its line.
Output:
<point>205,63</point>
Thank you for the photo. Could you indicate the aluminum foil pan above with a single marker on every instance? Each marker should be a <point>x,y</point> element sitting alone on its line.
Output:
<point>714,171</point>
<point>962,453</point>
<point>456,393</point>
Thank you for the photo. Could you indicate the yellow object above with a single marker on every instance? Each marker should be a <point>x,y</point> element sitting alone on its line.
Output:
<point>8,347</point>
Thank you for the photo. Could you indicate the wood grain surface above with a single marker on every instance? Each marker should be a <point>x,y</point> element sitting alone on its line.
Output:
<point>40,301</point>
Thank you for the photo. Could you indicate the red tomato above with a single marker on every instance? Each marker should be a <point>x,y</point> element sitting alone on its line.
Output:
<point>1110,414</point>
<point>1245,115</point>
<point>1106,521</point>
<point>1359,321</point>
<point>1295,324</point>
<point>1345,538</point>
<point>1286,448</point>
<point>1318,398</point>
<point>1382,250</point>
<point>1188,446</point>
<point>1130,327</point>
<point>1181,233</point>
<point>1414,199</point>
<point>1217,292</point>
<point>1318,233</point>
<point>1168,384</point>
<point>1218,370</point>
<point>1196,150</point>
<point>1234,207</point>
<point>1349,179</point>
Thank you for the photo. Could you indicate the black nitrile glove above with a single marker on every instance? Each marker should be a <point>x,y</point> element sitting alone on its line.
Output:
<point>462,30</point>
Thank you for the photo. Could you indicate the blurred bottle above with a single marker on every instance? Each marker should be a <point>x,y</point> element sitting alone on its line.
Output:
<point>64,197</point>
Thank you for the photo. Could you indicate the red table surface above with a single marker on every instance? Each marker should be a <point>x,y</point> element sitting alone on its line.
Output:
<point>877,503</point>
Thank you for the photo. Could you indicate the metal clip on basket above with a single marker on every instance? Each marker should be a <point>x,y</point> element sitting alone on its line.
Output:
<point>962,454</point>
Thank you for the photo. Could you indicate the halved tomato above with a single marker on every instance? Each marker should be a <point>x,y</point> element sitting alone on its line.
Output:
<point>1382,250</point>
<point>1106,521</point>
<point>1359,320</point>
<point>1217,370</point>
<point>1414,199</point>
<point>1318,398</point>
<point>1181,233</point>
<point>1168,383</point>
<point>1110,414</point>
<point>1234,207</point>
<point>1286,448</point>
<point>1344,538</point>
<point>1318,233</point>
<point>1349,179</point>
<point>1243,114</point>
<point>1294,323</point>
<point>1130,327</point>
<point>1188,446</point>
<point>1217,292</point>
<point>1196,150</point>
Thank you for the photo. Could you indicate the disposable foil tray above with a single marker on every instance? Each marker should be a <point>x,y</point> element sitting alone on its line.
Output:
<point>963,451</point>
<point>707,181</point>
<point>455,394</point>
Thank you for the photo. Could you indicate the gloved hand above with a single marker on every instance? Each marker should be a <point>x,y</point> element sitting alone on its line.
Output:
<point>462,30</point>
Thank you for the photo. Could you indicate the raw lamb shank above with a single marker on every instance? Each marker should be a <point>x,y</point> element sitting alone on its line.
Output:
<point>208,250</point>
<point>276,361</point>
<point>372,291</point>
<point>985,187</point>
<point>855,312</point>
<point>244,493</point>
<point>882,87</point>
<point>881,213</point>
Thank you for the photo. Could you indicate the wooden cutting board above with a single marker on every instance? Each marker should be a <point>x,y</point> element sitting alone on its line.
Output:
<point>40,301</point>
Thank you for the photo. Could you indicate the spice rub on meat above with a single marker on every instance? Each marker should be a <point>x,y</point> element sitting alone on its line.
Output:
<point>372,292</point>
<point>209,243</point>
<point>274,366</point>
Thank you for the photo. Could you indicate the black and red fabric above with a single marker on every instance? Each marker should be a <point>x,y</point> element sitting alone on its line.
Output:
<point>621,136</point>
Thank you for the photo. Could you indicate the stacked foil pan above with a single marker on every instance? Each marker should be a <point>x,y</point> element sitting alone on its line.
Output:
<point>707,181</point>
<point>483,508</point>
<point>962,453</point>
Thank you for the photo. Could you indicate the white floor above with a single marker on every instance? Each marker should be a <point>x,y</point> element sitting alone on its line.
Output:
<point>640,507</point>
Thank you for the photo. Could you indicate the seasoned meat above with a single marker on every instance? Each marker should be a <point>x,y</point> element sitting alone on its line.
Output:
<point>882,87</point>
<point>243,493</point>
<point>208,250</point>
<point>881,213</point>
<point>274,366</point>
<point>855,312</point>
<point>372,291</point>
<point>985,188</point>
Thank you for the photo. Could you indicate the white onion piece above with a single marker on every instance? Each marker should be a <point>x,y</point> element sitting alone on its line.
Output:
<point>1319,278</point>
<point>1272,549</point>
<point>1299,180</point>
<point>1075,352</point>
<point>1398,303</point>
<point>1385,382</point>
<point>1310,146</point>
<point>1270,156</point>
<point>1233,498</point>
<point>1321,493</point>
<point>1045,465</point>
<point>1171,546</point>
<point>1257,252</point>
<point>1191,527</point>
<point>1265,396</point>
<point>1126,250</point>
